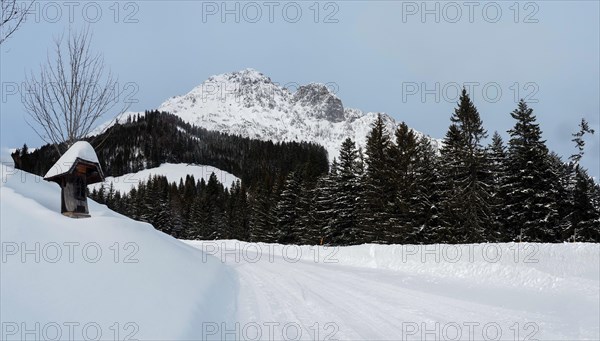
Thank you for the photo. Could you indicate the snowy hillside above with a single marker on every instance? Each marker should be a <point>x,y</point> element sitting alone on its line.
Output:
<point>106,274</point>
<point>173,172</point>
<point>250,104</point>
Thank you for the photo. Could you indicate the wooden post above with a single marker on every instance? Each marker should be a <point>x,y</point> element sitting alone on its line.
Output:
<point>74,201</point>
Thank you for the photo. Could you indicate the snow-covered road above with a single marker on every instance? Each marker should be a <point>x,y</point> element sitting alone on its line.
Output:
<point>291,294</point>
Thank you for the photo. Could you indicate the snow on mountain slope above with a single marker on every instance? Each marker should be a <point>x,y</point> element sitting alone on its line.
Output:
<point>249,104</point>
<point>173,172</point>
<point>434,292</point>
<point>74,279</point>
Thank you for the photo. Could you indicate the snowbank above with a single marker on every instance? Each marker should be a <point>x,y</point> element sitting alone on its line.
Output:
<point>5,157</point>
<point>174,172</point>
<point>106,275</point>
<point>526,265</point>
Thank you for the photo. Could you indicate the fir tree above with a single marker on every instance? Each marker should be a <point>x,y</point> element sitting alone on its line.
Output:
<point>261,224</point>
<point>497,230</point>
<point>467,197</point>
<point>324,195</point>
<point>449,200</point>
<point>305,231</point>
<point>585,216</point>
<point>378,192</point>
<point>345,228</point>
<point>287,211</point>
<point>426,211</point>
<point>405,154</point>
<point>531,183</point>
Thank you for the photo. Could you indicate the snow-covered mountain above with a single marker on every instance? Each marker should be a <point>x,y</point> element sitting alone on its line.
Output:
<point>250,104</point>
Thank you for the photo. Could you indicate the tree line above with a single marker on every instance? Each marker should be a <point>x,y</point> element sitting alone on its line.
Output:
<point>399,189</point>
<point>148,140</point>
<point>402,190</point>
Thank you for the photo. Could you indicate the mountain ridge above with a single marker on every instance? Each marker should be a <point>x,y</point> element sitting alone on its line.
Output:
<point>249,104</point>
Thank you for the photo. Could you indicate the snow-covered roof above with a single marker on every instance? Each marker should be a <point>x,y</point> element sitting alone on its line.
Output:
<point>79,150</point>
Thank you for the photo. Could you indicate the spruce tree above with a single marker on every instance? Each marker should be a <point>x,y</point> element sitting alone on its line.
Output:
<point>325,193</point>
<point>531,183</point>
<point>426,211</point>
<point>405,152</point>
<point>467,190</point>
<point>261,222</point>
<point>378,193</point>
<point>583,219</point>
<point>287,210</point>
<point>305,231</point>
<point>449,190</point>
<point>345,228</point>
<point>215,202</point>
<point>497,231</point>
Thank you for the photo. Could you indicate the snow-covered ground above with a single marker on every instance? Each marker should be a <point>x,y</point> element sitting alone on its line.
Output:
<point>437,292</point>
<point>173,171</point>
<point>70,279</point>
<point>106,277</point>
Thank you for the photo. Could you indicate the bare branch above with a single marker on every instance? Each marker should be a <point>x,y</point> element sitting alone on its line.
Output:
<point>72,91</point>
<point>12,16</point>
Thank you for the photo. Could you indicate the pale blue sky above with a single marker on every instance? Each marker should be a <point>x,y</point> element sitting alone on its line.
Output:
<point>380,54</point>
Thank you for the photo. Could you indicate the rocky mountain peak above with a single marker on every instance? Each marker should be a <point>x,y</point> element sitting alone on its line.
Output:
<point>244,77</point>
<point>322,103</point>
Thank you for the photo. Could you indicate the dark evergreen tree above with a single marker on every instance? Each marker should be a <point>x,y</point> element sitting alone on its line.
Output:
<point>287,211</point>
<point>467,198</point>
<point>236,212</point>
<point>378,192</point>
<point>199,214</point>
<point>404,224</point>
<point>325,194</point>
<point>215,207</point>
<point>449,190</point>
<point>345,228</point>
<point>531,182</point>
<point>582,216</point>
<point>305,231</point>
<point>497,231</point>
<point>261,224</point>
<point>426,211</point>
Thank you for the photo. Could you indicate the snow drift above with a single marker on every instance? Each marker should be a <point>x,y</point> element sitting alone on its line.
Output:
<point>106,277</point>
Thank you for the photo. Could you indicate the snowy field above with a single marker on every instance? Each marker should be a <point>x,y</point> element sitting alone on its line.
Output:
<point>173,171</point>
<point>111,278</point>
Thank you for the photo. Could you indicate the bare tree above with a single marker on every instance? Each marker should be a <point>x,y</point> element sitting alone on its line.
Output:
<point>12,16</point>
<point>71,92</point>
